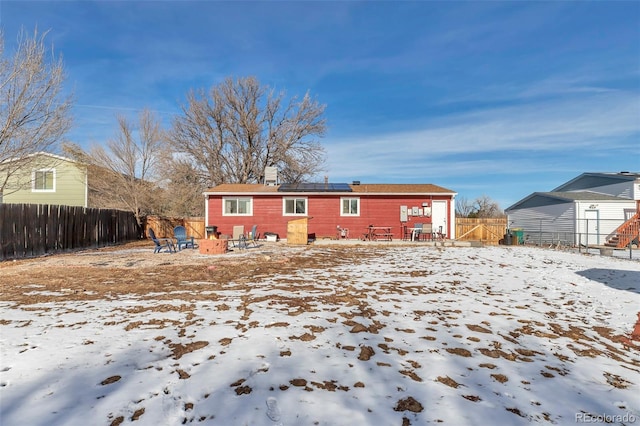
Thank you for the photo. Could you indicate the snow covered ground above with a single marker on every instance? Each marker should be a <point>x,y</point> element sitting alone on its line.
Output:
<point>406,335</point>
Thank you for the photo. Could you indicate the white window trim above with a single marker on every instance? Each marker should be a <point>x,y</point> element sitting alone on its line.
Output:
<point>342,213</point>
<point>224,203</point>
<point>284,206</point>
<point>33,180</point>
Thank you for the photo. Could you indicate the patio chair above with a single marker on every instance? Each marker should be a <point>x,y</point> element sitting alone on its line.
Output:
<point>162,244</point>
<point>182,240</point>
<point>253,236</point>
<point>417,231</point>
<point>427,231</point>
<point>238,238</point>
<point>406,233</point>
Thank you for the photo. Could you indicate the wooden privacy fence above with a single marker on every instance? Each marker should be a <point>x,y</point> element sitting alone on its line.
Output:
<point>163,226</point>
<point>28,230</point>
<point>489,231</point>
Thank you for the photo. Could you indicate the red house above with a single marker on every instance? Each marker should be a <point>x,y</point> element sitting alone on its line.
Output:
<point>330,207</point>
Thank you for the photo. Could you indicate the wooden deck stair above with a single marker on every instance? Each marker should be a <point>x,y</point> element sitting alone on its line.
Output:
<point>627,232</point>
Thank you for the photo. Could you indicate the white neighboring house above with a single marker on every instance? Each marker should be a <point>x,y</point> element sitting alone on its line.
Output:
<point>591,209</point>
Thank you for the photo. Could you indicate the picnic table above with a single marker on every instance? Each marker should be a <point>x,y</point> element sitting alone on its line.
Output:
<point>375,233</point>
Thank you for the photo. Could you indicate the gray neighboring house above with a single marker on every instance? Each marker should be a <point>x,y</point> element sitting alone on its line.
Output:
<point>591,209</point>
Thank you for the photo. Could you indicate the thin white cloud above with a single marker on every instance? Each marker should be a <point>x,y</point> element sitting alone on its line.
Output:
<point>574,82</point>
<point>566,127</point>
<point>428,169</point>
<point>549,126</point>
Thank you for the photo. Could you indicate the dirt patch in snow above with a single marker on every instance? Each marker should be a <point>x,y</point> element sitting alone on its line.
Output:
<point>134,269</point>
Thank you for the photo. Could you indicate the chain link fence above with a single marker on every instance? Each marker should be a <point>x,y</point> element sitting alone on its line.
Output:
<point>602,236</point>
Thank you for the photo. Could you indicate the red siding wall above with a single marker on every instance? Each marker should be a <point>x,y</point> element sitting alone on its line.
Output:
<point>324,214</point>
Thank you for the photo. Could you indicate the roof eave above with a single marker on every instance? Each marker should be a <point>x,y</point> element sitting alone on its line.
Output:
<point>327,193</point>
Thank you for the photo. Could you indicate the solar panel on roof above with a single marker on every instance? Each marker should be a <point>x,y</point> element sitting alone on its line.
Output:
<point>314,187</point>
<point>341,187</point>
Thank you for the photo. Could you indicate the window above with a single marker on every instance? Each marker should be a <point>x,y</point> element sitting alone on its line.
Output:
<point>44,180</point>
<point>350,207</point>
<point>295,206</point>
<point>237,206</point>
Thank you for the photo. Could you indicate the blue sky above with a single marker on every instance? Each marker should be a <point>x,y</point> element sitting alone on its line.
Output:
<point>484,98</point>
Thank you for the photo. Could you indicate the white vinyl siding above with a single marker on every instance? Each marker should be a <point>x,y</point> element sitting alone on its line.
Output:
<point>546,223</point>
<point>610,216</point>
<point>565,221</point>
<point>620,189</point>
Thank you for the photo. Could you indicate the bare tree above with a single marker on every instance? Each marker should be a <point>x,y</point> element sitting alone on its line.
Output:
<point>481,207</point>
<point>125,175</point>
<point>182,188</point>
<point>34,113</point>
<point>464,207</point>
<point>241,127</point>
<point>485,207</point>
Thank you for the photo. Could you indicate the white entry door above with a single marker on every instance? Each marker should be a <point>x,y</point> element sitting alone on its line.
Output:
<point>439,216</point>
<point>591,226</point>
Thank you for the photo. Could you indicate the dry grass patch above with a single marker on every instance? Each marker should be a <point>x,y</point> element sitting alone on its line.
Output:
<point>459,351</point>
<point>448,381</point>
<point>500,378</point>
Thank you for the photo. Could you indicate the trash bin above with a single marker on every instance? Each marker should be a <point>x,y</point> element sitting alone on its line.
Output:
<point>507,238</point>
<point>518,235</point>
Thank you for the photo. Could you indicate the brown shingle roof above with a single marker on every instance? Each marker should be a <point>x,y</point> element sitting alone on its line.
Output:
<point>242,188</point>
<point>400,188</point>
